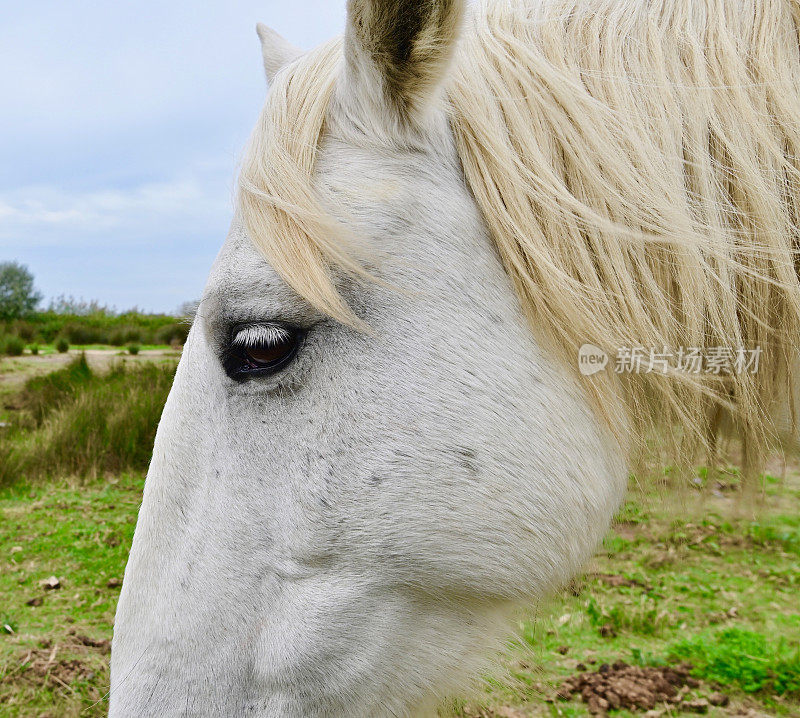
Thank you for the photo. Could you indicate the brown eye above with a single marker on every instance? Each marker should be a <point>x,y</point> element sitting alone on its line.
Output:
<point>260,349</point>
<point>268,355</point>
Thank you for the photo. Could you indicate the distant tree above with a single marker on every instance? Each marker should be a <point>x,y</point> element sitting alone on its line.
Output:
<point>18,296</point>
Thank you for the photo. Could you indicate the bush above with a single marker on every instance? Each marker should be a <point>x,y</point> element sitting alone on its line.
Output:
<point>24,331</point>
<point>44,394</point>
<point>133,335</point>
<point>34,349</point>
<point>81,423</point>
<point>62,346</point>
<point>133,349</point>
<point>116,338</point>
<point>83,334</point>
<point>88,323</point>
<point>9,466</point>
<point>13,347</point>
<point>173,334</point>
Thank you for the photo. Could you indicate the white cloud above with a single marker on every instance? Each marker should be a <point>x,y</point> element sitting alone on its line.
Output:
<point>189,201</point>
<point>108,113</point>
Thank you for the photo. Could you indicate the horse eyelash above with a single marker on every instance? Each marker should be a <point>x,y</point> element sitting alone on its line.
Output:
<point>265,335</point>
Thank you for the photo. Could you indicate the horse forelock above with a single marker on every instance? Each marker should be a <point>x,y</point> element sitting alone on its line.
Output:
<point>637,166</point>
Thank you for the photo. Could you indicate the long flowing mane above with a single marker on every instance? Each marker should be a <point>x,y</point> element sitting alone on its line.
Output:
<point>638,165</point>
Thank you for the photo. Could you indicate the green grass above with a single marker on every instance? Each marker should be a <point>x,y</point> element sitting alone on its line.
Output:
<point>84,548</point>
<point>730,606</point>
<point>44,394</point>
<point>96,325</point>
<point>737,656</point>
<point>77,422</point>
<point>702,583</point>
<point>719,591</point>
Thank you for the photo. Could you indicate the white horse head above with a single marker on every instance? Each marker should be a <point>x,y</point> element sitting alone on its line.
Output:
<point>335,519</point>
<point>357,478</point>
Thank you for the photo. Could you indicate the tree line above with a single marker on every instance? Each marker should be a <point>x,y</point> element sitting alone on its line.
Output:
<point>67,321</point>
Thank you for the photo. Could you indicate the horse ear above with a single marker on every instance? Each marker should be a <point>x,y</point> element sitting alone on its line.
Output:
<point>277,51</point>
<point>397,52</point>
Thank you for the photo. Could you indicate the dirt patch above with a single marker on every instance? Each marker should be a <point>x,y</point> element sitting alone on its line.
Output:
<point>628,530</point>
<point>503,712</point>
<point>59,663</point>
<point>43,665</point>
<point>616,581</point>
<point>635,688</point>
<point>102,643</point>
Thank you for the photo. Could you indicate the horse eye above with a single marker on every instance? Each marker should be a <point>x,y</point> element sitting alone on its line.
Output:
<point>259,349</point>
<point>264,356</point>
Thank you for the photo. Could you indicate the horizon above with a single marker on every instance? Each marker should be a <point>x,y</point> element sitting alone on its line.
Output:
<point>123,127</point>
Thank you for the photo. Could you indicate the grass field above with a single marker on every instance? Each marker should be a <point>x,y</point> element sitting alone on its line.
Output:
<point>676,583</point>
<point>54,647</point>
<point>678,579</point>
<point>15,371</point>
<point>49,349</point>
<point>84,421</point>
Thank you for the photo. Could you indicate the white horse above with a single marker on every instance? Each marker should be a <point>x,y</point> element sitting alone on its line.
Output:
<point>377,445</point>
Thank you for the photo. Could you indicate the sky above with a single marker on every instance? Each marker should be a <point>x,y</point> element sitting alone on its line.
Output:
<point>121,125</point>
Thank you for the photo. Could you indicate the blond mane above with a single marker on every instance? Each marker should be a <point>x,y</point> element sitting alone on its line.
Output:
<point>637,164</point>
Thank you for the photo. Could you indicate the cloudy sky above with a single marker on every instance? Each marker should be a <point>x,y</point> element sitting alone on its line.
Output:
<point>121,127</point>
